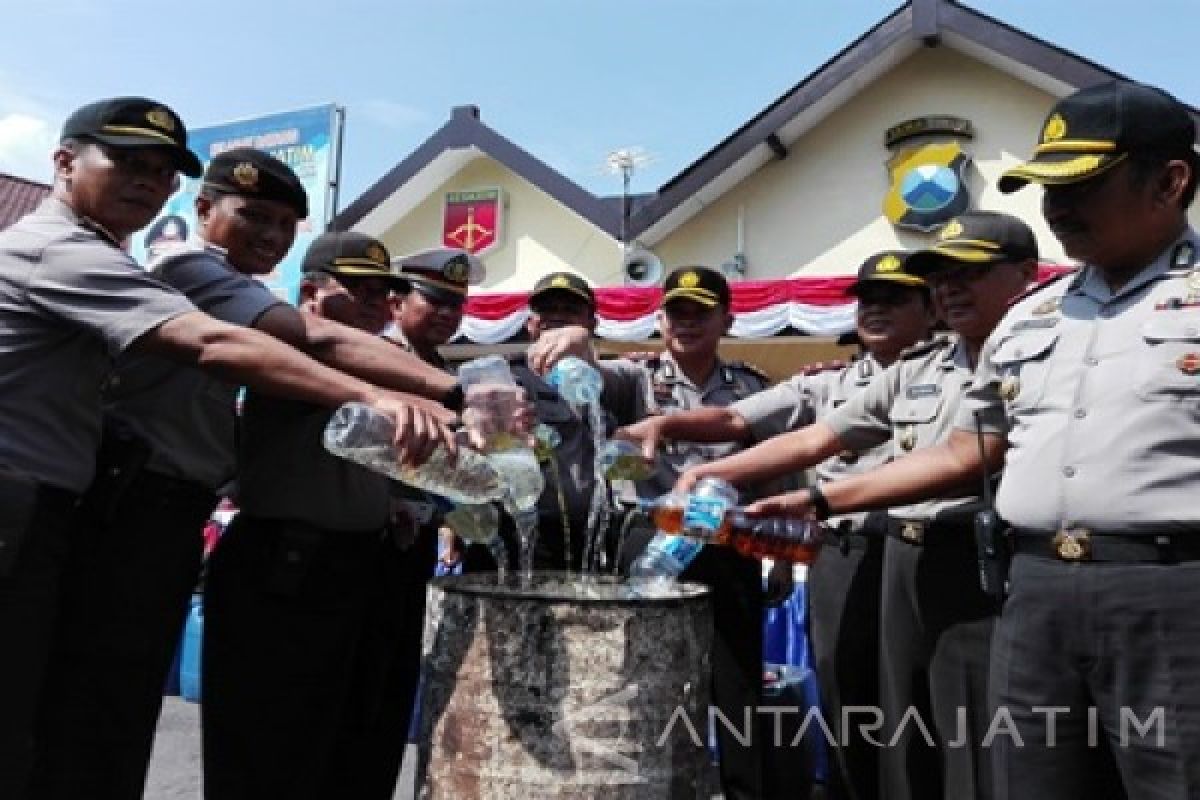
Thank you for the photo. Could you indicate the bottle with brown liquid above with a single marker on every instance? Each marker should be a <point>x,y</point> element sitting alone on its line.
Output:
<point>710,515</point>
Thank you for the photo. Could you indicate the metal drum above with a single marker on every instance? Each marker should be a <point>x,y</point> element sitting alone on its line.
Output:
<point>565,686</point>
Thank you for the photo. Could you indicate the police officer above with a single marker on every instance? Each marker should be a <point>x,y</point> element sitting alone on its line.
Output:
<point>694,315</point>
<point>559,301</point>
<point>935,620</point>
<point>1091,385</point>
<point>70,299</point>
<point>427,308</point>
<point>308,669</point>
<point>894,312</point>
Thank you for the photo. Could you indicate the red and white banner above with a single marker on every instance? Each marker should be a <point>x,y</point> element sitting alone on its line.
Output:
<point>813,306</point>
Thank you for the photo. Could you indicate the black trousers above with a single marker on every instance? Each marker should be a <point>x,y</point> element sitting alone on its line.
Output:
<point>737,666</point>
<point>935,644</point>
<point>131,570</point>
<point>38,537</point>
<point>843,621</point>
<point>1116,649</point>
<point>311,660</point>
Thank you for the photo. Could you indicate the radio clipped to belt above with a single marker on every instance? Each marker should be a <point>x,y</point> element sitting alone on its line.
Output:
<point>991,540</point>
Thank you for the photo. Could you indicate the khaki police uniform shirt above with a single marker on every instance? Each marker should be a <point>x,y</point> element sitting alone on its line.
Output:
<point>1099,396</point>
<point>804,399</point>
<point>187,416</point>
<point>634,391</point>
<point>285,472</point>
<point>914,403</point>
<point>70,302</point>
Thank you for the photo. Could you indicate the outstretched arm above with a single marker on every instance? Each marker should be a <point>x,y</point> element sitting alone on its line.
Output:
<point>923,475</point>
<point>774,458</point>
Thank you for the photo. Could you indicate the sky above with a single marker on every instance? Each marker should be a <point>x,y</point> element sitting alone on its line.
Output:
<point>568,80</point>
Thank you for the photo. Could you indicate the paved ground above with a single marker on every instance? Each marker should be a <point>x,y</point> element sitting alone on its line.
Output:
<point>175,766</point>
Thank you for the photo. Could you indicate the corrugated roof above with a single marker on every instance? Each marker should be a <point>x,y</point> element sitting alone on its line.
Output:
<point>18,196</point>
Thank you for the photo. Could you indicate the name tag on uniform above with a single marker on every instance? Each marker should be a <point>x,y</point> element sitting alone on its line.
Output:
<point>1029,324</point>
<point>923,390</point>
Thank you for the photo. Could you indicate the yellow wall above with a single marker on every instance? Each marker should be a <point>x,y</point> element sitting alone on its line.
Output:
<point>539,234</point>
<point>819,210</point>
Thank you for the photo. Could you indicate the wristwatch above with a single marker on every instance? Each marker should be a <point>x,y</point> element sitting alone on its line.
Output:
<point>455,398</point>
<point>820,502</point>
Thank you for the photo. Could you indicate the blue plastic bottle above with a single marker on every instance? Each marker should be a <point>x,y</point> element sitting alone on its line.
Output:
<point>193,640</point>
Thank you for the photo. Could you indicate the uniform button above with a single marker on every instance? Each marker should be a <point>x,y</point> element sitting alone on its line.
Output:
<point>114,471</point>
<point>1091,362</point>
<point>1080,413</point>
<point>1069,472</point>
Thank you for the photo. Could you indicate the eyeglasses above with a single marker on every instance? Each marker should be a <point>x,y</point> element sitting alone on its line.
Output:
<point>366,290</point>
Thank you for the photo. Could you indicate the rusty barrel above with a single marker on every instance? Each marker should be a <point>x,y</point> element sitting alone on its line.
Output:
<point>562,686</point>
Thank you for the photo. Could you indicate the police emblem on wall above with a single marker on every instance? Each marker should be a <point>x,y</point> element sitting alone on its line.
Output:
<point>471,220</point>
<point>927,178</point>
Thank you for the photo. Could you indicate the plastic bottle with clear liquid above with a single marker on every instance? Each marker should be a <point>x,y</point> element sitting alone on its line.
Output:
<point>492,394</point>
<point>578,382</point>
<point>361,434</point>
<point>709,515</point>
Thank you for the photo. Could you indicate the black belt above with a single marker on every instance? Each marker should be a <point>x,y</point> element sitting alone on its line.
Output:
<point>845,541</point>
<point>954,526</point>
<point>174,487</point>
<point>1078,545</point>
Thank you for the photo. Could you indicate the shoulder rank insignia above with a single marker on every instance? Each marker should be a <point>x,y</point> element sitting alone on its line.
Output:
<point>1010,387</point>
<point>907,438</point>
<point>1047,307</point>
<point>1189,363</point>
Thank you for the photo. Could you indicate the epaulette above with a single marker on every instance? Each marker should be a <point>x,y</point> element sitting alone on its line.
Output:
<point>1037,287</point>
<point>931,345</point>
<point>753,370</point>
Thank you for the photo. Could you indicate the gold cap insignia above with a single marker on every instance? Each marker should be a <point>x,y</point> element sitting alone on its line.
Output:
<point>1056,128</point>
<point>376,253</point>
<point>689,280</point>
<point>1189,363</point>
<point>561,282</point>
<point>952,228</point>
<point>161,118</point>
<point>245,175</point>
<point>1010,387</point>
<point>456,269</point>
<point>888,264</point>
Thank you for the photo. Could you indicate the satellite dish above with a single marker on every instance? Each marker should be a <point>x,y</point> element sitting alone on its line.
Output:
<point>641,267</point>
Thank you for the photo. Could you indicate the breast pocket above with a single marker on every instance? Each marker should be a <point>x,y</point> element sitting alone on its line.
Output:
<point>1169,368</point>
<point>1024,366</point>
<point>912,421</point>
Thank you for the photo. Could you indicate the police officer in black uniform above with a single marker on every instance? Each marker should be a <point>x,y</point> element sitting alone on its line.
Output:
<point>70,300</point>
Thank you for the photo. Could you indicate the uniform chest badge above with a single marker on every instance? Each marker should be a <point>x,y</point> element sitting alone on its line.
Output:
<point>1048,307</point>
<point>663,393</point>
<point>908,438</point>
<point>1010,387</point>
<point>1189,363</point>
<point>848,456</point>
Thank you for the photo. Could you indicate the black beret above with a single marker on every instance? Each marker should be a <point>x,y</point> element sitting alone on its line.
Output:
<point>253,173</point>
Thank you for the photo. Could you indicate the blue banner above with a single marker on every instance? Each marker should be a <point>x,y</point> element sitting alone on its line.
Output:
<point>305,140</point>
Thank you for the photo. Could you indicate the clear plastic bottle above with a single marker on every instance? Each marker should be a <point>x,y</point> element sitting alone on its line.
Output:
<point>622,461</point>
<point>361,434</point>
<point>578,382</point>
<point>492,393</point>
